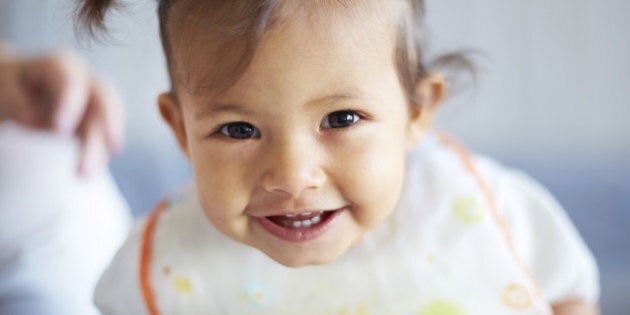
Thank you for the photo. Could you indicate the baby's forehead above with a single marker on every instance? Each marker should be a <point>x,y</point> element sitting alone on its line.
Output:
<point>212,44</point>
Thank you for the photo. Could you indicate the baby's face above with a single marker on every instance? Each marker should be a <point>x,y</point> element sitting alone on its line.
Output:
<point>305,153</point>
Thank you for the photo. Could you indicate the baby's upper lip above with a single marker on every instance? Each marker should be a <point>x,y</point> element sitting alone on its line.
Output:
<point>266,205</point>
<point>289,212</point>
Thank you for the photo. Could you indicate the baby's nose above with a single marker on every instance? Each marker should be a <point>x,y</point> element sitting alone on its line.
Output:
<point>293,166</point>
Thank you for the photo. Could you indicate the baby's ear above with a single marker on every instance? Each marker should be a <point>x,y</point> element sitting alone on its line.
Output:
<point>429,93</point>
<point>172,113</point>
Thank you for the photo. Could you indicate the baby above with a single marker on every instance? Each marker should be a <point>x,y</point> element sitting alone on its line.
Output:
<point>318,187</point>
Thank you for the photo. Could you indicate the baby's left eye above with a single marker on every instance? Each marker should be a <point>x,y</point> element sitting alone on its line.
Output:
<point>340,119</point>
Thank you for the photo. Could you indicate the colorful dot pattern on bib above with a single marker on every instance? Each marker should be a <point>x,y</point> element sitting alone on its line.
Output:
<point>469,210</point>
<point>442,307</point>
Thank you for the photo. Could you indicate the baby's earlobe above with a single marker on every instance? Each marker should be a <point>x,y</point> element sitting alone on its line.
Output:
<point>430,90</point>
<point>429,93</point>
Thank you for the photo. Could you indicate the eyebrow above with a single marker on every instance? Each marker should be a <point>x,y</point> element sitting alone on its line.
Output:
<point>342,96</point>
<point>221,108</point>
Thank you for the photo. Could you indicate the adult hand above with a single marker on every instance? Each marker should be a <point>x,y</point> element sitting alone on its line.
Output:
<point>58,92</point>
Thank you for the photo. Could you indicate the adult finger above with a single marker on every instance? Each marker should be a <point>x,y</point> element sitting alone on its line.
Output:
<point>108,107</point>
<point>64,85</point>
<point>15,102</point>
<point>102,127</point>
<point>93,152</point>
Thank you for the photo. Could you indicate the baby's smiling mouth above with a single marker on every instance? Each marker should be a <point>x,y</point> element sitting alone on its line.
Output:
<point>296,221</point>
<point>300,227</point>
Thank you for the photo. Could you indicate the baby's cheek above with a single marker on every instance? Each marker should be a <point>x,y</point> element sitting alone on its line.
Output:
<point>226,217</point>
<point>221,191</point>
<point>381,167</point>
<point>374,182</point>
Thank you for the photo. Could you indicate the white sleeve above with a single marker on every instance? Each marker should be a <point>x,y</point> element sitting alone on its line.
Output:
<point>545,239</point>
<point>58,232</point>
<point>118,291</point>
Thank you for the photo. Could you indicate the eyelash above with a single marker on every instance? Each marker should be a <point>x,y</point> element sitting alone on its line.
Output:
<point>251,132</point>
<point>356,117</point>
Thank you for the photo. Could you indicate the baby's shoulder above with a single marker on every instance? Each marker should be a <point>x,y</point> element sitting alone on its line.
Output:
<point>120,289</point>
<point>440,160</point>
<point>441,170</point>
<point>539,229</point>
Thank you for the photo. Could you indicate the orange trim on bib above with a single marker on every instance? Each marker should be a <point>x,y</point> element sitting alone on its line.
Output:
<point>146,254</point>
<point>466,158</point>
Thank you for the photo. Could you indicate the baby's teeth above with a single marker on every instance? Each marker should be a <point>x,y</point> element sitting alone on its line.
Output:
<point>305,214</point>
<point>305,223</point>
<point>290,215</point>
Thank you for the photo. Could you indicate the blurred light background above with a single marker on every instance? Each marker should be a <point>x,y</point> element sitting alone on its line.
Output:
<point>553,99</point>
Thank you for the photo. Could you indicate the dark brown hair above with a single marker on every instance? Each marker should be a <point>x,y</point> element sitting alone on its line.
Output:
<point>238,25</point>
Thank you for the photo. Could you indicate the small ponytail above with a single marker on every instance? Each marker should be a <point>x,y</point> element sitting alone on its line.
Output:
<point>90,17</point>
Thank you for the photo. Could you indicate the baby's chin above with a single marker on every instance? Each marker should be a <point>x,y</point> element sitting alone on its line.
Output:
<point>293,256</point>
<point>297,262</point>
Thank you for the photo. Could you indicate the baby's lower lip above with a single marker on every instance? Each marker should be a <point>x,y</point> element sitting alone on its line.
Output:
<point>300,228</point>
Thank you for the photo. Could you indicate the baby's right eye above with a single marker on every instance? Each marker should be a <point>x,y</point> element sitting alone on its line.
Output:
<point>340,119</point>
<point>240,130</point>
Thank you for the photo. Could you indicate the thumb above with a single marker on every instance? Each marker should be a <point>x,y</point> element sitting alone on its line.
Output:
<point>64,81</point>
<point>16,102</point>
